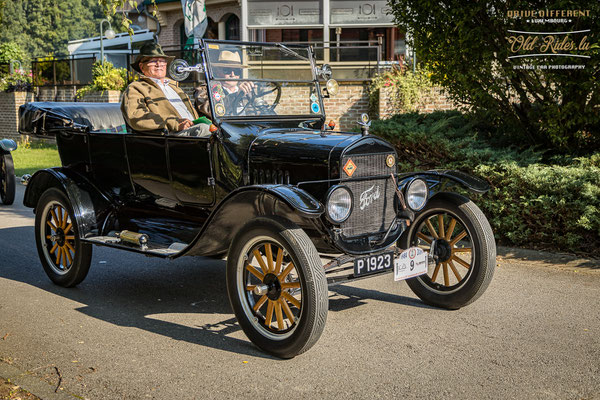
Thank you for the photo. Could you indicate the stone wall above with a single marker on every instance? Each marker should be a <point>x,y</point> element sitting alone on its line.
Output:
<point>9,113</point>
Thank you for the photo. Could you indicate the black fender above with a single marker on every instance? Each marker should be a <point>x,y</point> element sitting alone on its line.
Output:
<point>249,202</point>
<point>7,145</point>
<point>440,180</point>
<point>89,204</point>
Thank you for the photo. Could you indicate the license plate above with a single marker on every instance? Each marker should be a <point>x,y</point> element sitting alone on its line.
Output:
<point>410,263</point>
<point>373,264</point>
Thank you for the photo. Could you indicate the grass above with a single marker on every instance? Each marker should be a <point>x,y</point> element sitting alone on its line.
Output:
<point>29,158</point>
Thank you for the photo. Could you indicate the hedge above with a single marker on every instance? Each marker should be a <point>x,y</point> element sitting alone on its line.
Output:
<point>537,199</point>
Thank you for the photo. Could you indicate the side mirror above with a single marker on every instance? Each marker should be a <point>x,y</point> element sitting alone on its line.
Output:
<point>179,69</point>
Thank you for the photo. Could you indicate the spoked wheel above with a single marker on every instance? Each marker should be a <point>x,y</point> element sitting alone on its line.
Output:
<point>7,179</point>
<point>465,251</point>
<point>64,257</point>
<point>277,286</point>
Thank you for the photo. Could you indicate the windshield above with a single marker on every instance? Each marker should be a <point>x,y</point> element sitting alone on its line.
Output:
<point>272,79</point>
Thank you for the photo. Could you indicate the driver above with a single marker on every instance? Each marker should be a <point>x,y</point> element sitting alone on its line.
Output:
<point>155,103</point>
<point>229,65</point>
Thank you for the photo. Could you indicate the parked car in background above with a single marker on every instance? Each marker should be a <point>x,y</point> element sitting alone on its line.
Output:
<point>7,171</point>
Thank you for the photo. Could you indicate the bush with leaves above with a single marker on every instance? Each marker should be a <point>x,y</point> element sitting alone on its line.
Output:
<point>404,88</point>
<point>105,77</point>
<point>466,46</point>
<point>536,199</point>
<point>19,81</point>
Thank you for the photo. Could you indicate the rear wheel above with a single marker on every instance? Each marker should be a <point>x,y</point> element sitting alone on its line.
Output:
<point>65,258</point>
<point>7,179</point>
<point>277,286</point>
<point>465,250</point>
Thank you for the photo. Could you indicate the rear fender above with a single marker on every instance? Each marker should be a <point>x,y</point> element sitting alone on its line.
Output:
<point>250,202</point>
<point>90,206</point>
<point>7,145</point>
<point>440,181</point>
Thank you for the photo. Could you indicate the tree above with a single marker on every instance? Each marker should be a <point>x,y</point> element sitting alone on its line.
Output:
<point>466,46</point>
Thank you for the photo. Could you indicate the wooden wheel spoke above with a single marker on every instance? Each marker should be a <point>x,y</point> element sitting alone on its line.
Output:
<point>458,237</point>
<point>255,272</point>
<point>462,250</point>
<point>286,271</point>
<point>58,256</point>
<point>279,316</point>
<point>64,218</point>
<point>53,249</point>
<point>250,288</point>
<point>287,311</point>
<point>446,277</point>
<point>291,299</point>
<point>260,260</point>
<point>55,218</point>
<point>59,213</point>
<point>260,302</point>
<point>456,274</point>
<point>68,254</point>
<point>269,255</point>
<point>431,229</point>
<point>269,316</point>
<point>461,261</point>
<point>435,272</point>
<point>68,228</point>
<point>290,285</point>
<point>441,225</point>
<point>70,247</point>
<point>424,237</point>
<point>70,237</point>
<point>52,226</point>
<point>278,261</point>
<point>450,229</point>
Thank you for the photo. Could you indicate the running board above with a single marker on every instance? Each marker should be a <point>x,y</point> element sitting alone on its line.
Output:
<point>150,249</point>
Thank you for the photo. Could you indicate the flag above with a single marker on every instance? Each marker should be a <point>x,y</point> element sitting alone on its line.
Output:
<point>195,21</point>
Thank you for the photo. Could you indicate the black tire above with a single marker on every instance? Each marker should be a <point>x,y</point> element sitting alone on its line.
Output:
<point>7,179</point>
<point>65,258</point>
<point>295,279</point>
<point>470,244</point>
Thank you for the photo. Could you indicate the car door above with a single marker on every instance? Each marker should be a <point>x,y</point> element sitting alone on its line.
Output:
<point>191,171</point>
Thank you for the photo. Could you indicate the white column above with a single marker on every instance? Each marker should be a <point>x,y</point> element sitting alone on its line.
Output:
<point>244,21</point>
<point>326,12</point>
<point>222,28</point>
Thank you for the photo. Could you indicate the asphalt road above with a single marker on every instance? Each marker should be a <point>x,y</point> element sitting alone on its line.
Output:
<point>141,327</point>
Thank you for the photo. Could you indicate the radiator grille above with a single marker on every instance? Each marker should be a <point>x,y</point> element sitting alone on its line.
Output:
<point>377,200</point>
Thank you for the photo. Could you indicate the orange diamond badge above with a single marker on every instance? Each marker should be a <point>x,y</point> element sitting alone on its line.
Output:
<point>350,167</point>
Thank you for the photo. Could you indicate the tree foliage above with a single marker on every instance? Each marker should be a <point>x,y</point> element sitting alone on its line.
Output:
<point>466,46</point>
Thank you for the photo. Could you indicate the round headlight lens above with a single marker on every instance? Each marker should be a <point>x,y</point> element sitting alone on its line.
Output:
<point>339,204</point>
<point>416,194</point>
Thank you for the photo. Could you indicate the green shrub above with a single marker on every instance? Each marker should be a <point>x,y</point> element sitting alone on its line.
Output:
<point>532,202</point>
<point>105,77</point>
<point>406,88</point>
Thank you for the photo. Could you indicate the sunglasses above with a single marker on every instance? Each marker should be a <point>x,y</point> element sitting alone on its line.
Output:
<point>157,62</point>
<point>223,71</point>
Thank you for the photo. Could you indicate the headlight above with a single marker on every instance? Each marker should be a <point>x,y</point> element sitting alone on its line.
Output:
<point>339,204</point>
<point>416,194</point>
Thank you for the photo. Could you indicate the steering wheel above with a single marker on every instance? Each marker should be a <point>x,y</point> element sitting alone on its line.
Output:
<point>250,104</point>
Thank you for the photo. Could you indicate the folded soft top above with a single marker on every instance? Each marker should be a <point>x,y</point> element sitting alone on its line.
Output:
<point>45,118</point>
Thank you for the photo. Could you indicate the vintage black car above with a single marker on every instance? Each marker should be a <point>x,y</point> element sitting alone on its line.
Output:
<point>293,206</point>
<point>7,171</point>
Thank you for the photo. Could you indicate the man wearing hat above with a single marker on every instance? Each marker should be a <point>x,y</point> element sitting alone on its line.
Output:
<point>155,103</point>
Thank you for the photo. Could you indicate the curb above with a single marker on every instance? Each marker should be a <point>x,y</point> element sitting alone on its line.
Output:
<point>33,385</point>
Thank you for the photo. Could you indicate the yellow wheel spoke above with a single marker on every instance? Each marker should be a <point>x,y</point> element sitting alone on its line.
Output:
<point>55,218</point>
<point>441,225</point>
<point>446,278</point>
<point>68,254</point>
<point>435,272</point>
<point>58,255</point>
<point>290,285</point>
<point>456,274</point>
<point>64,218</point>
<point>52,226</point>
<point>287,311</point>
<point>462,250</point>
<point>450,229</point>
<point>291,299</point>
<point>68,228</point>
<point>426,238</point>
<point>279,316</point>
<point>459,237</point>
<point>278,261</point>
<point>269,255</point>
<point>461,261</point>
<point>53,249</point>
<point>70,247</point>
<point>48,236</point>
<point>70,237</point>
<point>260,260</point>
<point>250,287</point>
<point>269,316</point>
<point>286,271</point>
<point>59,213</point>
<point>431,230</point>
<point>255,272</point>
<point>260,302</point>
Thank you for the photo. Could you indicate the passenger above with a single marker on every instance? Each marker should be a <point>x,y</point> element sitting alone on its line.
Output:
<point>155,103</point>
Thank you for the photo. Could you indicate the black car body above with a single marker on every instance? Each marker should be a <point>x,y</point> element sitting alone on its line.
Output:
<point>265,173</point>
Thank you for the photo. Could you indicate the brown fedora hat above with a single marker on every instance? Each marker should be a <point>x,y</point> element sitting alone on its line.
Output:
<point>147,51</point>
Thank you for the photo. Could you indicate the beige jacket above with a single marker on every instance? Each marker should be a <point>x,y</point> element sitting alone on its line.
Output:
<point>145,107</point>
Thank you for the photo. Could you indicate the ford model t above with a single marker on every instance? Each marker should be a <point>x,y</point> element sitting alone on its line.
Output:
<point>293,206</point>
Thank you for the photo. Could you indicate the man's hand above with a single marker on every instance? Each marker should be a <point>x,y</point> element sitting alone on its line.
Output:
<point>246,87</point>
<point>184,124</point>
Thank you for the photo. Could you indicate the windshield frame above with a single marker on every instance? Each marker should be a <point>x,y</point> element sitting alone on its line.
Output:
<point>208,73</point>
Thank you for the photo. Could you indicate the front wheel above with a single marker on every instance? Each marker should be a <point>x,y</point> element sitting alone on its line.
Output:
<point>7,179</point>
<point>65,258</point>
<point>277,286</point>
<point>465,251</point>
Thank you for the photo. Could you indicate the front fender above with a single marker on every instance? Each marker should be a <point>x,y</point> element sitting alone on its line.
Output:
<point>90,206</point>
<point>439,181</point>
<point>247,203</point>
<point>8,145</point>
